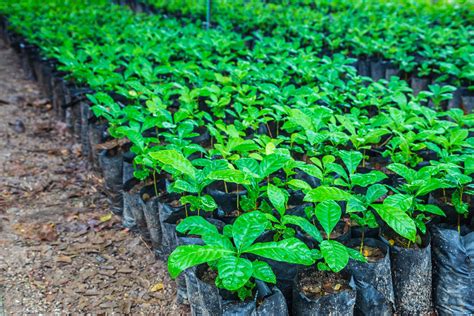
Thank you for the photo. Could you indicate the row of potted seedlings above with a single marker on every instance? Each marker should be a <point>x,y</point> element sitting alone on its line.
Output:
<point>239,208</point>
<point>437,50</point>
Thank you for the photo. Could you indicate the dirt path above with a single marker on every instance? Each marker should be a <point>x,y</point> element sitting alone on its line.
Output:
<point>60,250</point>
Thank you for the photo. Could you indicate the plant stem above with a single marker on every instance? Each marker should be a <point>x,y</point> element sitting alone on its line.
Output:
<point>199,196</point>
<point>459,224</point>
<point>238,198</point>
<point>269,131</point>
<point>154,183</point>
<point>225,187</point>
<point>362,242</point>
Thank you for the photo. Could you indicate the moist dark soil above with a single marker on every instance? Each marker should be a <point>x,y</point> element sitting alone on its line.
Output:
<point>372,254</point>
<point>209,276</point>
<point>316,283</point>
<point>394,239</point>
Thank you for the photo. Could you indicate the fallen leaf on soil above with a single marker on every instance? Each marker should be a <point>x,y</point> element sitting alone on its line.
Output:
<point>48,232</point>
<point>64,259</point>
<point>39,102</point>
<point>157,287</point>
<point>40,232</point>
<point>106,218</point>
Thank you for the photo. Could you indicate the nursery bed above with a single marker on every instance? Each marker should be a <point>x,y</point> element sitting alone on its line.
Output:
<point>56,254</point>
<point>314,163</point>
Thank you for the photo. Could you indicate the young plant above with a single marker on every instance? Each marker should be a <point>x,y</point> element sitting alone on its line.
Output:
<point>279,199</point>
<point>409,199</point>
<point>360,208</point>
<point>349,178</point>
<point>188,179</point>
<point>228,252</point>
<point>334,255</point>
<point>461,180</point>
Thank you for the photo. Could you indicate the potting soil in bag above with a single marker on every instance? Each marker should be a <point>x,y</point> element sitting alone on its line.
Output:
<point>206,299</point>
<point>453,270</point>
<point>341,303</point>
<point>170,216</point>
<point>373,281</point>
<point>412,276</point>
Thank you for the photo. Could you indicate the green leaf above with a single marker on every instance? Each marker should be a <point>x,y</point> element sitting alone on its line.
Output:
<point>196,225</point>
<point>207,203</point>
<point>403,171</point>
<point>430,208</point>
<point>184,186</point>
<point>328,214</point>
<point>278,197</point>
<point>289,250</point>
<point>351,159</point>
<point>263,271</point>
<point>271,164</point>
<point>458,136</point>
<point>325,193</point>
<point>365,179</point>
<point>401,201</point>
<point>335,254</point>
<point>398,220</point>
<point>187,256</point>
<point>304,224</point>
<point>248,164</point>
<point>375,192</point>
<point>312,170</point>
<point>355,205</point>
<point>247,228</point>
<point>299,185</point>
<point>234,272</point>
<point>356,255</point>
<point>469,165</point>
<point>400,99</point>
<point>229,175</point>
<point>431,185</point>
<point>176,160</point>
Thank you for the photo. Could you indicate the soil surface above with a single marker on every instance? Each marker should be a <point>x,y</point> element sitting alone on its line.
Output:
<point>314,283</point>
<point>61,249</point>
<point>372,254</point>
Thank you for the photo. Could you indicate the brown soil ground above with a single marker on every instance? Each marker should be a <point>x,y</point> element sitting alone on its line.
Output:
<point>60,250</point>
